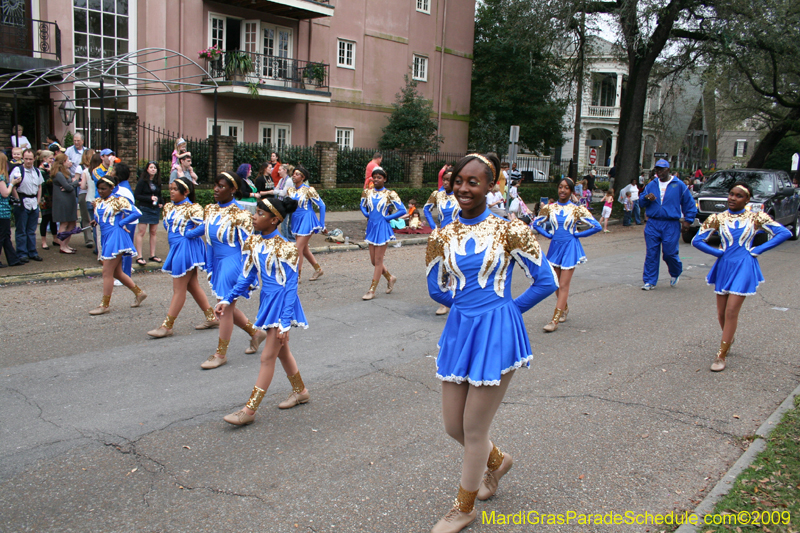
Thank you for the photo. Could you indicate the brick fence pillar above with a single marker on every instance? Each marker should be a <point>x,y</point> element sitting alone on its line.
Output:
<point>225,146</point>
<point>6,116</point>
<point>417,162</point>
<point>328,155</point>
<point>128,141</point>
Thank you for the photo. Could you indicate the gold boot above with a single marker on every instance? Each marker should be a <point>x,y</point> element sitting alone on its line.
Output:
<point>564,316</point>
<point>719,361</point>
<point>498,465</point>
<point>165,330</point>
<point>390,281</point>
<point>318,272</point>
<point>256,338</point>
<point>139,296</point>
<point>219,358</point>
<point>553,324</point>
<point>242,417</point>
<point>104,306</point>
<point>371,292</point>
<point>460,516</point>
<point>211,320</point>
<point>297,396</point>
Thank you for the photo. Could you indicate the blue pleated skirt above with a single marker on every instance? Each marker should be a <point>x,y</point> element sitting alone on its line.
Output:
<point>305,222</point>
<point>736,272</point>
<point>225,266</point>
<point>479,349</point>
<point>270,310</point>
<point>379,231</point>
<point>566,253</point>
<point>184,255</point>
<point>115,241</point>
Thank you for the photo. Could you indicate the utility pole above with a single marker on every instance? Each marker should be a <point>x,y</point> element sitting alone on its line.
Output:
<point>576,136</point>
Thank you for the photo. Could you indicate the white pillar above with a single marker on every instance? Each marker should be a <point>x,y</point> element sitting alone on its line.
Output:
<point>612,149</point>
<point>618,97</point>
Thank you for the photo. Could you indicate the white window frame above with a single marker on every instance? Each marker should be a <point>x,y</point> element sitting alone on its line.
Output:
<point>345,137</point>
<point>739,149</point>
<point>275,126</point>
<point>223,124</point>
<point>223,18</point>
<point>345,42</point>
<point>424,6</point>
<point>420,63</point>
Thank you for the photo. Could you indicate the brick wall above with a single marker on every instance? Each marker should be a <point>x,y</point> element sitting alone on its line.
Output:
<point>328,156</point>
<point>6,116</point>
<point>417,163</point>
<point>225,146</point>
<point>128,141</point>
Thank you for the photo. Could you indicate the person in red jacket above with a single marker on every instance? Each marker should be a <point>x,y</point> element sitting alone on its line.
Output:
<point>377,158</point>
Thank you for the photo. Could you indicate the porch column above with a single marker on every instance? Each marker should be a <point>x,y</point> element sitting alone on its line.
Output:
<point>612,149</point>
<point>618,97</point>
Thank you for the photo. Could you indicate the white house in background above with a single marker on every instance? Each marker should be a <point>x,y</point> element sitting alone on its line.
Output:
<point>604,86</point>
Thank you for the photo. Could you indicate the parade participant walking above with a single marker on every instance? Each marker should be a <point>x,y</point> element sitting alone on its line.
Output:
<point>113,213</point>
<point>447,207</point>
<point>227,226</point>
<point>375,204</point>
<point>664,200</point>
<point>304,221</point>
<point>474,363</point>
<point>273,259</point>
<point>565,251</point>
<point>183,220</point>
<point>736,273</point>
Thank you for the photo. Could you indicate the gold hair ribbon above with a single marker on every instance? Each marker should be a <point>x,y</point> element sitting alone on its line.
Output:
<point>743,190</point>
<point>105,179</point>
<point>272,208</point>
<point>487,163</point>
<point>231,180</point>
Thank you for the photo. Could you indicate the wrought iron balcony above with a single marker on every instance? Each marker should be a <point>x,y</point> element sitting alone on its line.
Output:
<point>32,38</point>
<point>295,9</point>
<point>270,71</point>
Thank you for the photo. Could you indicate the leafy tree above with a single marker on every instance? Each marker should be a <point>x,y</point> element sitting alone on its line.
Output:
<point>515,75</point>
<point>411,126</point>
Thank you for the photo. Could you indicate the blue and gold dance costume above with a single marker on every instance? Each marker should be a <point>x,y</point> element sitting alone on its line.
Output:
<point>304,220</point>
<point>227,227</point>
<point>184,224</point>
<point>113,214</point>
<point>375,205</point>
<point>446,204</point>
<point>565,251</point>
<point>736,270</point>
<point>274,260</point>
<point>484,336</point>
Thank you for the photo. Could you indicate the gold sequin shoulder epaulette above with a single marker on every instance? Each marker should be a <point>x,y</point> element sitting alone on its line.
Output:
<point>520,237</point>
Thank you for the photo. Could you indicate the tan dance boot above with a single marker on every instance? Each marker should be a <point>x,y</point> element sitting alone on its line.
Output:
<point>139,296</point>
<point>371,292</point>
<point>165,329</point>
<point>297,396</point>
<point>443,309</point>
<point>318,272</point>
<point>498,465</point>
<point>564,315</point>
<point>719,361</point>
<point>219,358</point>
<point>242,417</point>
<point>211,320</point>
<point>390,281</point>
<point>257,336</point>
<point>460,516</point>
<point>553,324</point>
<point>103,308</point>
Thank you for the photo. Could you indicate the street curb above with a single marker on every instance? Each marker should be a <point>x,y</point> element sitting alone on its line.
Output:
<point>758,445</point>
<point>98,271</point>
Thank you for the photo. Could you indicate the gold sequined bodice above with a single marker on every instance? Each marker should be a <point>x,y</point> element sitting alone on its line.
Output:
<point>178,217</point>
<point>303,195</point>
<point>380,200</point>
<point>228,221</point>
<point>275,253</point>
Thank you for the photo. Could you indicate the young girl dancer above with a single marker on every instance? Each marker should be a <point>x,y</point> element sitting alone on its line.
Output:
<point>446,204</point>
<point>113,213</point>
<point>736,272</point>
<point>565,250</point>
<point>227,226</point>
<point>183,220</point>
<point>375,204</point>
<point>269,256</point>
<point>478,251</point>
<point>608,203</point>
<point>304,221</point>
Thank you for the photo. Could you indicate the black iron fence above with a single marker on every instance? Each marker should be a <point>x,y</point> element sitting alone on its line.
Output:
<point>267,70</point>
<point>157,144</point>
<point>30,37</point>
<point>98,135</point>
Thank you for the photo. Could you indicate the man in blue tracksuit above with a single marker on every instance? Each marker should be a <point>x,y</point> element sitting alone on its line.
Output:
<point>664,200</point>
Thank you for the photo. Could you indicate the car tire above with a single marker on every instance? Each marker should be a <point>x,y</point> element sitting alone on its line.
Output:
<point>795,228</point>
<point>689,234</point>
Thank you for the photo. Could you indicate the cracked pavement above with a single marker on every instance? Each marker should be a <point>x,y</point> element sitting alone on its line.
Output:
<point>104,429</point>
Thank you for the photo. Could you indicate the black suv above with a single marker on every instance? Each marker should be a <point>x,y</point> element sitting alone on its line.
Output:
<point>773,193</point>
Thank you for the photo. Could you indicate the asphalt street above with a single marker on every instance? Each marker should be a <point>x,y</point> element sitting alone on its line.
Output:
<point>104,429</point>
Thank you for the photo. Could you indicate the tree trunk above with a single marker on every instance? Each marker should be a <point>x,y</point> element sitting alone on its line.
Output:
<point>631,122</point>
<point>772,138</point>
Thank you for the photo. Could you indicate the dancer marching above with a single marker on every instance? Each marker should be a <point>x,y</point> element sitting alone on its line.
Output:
<point>269,256</point>
<point>475,363</point>
<point>113,213</point>
<point>183,220</point>
<point>736,273</point>
<point>304,221</point>
<point>565,251</point>
<point>447,206</point>
<point>227,227</point>
<point>375,205</point>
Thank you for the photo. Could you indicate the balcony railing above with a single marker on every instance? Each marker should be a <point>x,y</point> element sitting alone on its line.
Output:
<point>272,70</point>
<point>603,111</point>
<point>32,38</point>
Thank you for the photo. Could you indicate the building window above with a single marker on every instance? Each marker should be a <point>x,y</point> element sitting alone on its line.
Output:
<point>740,148</point>
<point>216,27</point>
<point>420,68</point>
<point>424,6</point>
<point>344,137</point>
<point>278,135</point>
<point>230,128</point>
<point>347,54</point>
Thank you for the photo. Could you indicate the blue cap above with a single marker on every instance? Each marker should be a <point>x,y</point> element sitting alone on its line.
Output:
<point>662,163</point>
<point>109,151</point>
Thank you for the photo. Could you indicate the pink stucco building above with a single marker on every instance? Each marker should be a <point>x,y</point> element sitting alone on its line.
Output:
<point>324,70</point>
